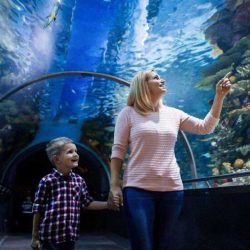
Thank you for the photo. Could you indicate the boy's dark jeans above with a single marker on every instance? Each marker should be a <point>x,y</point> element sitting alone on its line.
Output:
<point>69,245</point>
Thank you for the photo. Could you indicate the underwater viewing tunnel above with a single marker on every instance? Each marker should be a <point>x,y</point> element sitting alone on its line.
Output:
<point>65,68</point>
<point>23,171</point>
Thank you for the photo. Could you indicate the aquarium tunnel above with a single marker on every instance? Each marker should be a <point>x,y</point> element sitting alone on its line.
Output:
<point>65,70</point>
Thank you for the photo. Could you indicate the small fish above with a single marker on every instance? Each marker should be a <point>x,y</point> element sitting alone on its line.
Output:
<point>109,129</point>
<point>5,129</point>
<point>206,139</point>
<point>83,106</point>
<point>206,155</point>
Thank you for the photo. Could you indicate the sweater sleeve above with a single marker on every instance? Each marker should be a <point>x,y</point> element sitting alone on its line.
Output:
<point>198,126</point>
<point>121,134</point>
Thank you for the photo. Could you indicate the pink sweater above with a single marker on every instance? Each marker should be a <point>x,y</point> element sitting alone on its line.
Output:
<point>151,139</point>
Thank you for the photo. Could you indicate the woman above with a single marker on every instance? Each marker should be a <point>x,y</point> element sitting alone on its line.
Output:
<point>152,185</point>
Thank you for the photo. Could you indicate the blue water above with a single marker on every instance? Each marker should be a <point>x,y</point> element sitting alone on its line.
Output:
<point>110,36</point>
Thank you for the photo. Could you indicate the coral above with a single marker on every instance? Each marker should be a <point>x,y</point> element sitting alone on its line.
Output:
<point>238,163</point>
<point>229,25</point>
<point>247,165</point>
<point>8,107</point>
<point>99,135</point>
<point>229,32</point>
<point>232,136</point>
<point>207,83</point>
<point>215,171</point>
<point>245,110</point>
<point>227,167</point>
<point>240,88</point>
<point>244,150</point>
<point>233,60</point>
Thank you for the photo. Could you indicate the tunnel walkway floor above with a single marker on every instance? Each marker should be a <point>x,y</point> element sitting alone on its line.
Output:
<point>85,242</point>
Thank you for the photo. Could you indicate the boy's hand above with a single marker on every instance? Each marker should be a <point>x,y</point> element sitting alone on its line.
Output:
<point>35,244</point>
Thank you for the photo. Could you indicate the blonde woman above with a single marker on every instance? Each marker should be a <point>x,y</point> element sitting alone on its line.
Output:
<point>152,189</point>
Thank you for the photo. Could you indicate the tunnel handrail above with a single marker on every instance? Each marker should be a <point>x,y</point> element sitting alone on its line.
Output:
<point>190,154</point>
<point>7,190</point>
<point>217,177</point>
<point>63,73</point>
<point>105,76</point>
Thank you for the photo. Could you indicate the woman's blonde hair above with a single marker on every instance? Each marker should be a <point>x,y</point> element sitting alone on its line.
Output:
<point>139,96</point>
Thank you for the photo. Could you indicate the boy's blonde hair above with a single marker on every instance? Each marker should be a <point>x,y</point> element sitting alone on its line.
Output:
<point>55,146</point>
<point>139,95</point>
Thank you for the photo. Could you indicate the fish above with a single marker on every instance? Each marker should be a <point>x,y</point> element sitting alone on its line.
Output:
<point>5,129</point>
<point>83,106</point>
<point>53,14</point>
<point>206,139</point>
<point>206,155</point>
<point>109,129</point>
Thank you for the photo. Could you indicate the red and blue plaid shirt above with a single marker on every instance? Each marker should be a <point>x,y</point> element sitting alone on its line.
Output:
<point>59,200</point>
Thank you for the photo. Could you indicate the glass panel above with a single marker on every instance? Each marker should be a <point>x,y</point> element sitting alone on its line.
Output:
<point>191,44</point>
<point>84,108</point>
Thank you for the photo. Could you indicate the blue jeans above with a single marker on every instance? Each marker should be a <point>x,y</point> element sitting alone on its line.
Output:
<point>151,217</point>
<point>69,245</point>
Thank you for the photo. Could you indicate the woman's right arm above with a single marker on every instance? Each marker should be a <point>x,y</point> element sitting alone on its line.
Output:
<point>119,148</point>
<point>115,194</point>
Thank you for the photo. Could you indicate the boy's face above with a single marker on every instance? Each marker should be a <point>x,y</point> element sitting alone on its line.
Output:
<point>67,158</point>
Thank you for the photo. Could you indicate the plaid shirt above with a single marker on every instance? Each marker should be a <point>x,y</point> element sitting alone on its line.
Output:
<point>59,199</point>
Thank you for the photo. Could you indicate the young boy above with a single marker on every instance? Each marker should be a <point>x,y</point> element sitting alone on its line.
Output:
<point>59,198</point>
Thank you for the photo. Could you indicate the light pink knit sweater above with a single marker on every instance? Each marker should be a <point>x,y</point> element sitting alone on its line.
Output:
<point>152,164</point>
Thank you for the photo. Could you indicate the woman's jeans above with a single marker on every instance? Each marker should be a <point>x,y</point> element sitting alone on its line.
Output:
<point>151,216</point>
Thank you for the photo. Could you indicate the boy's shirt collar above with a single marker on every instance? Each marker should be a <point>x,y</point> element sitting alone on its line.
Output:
<point>60,175</point>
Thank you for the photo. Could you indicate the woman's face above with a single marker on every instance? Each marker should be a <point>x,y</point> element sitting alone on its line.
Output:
<point>156,85</point>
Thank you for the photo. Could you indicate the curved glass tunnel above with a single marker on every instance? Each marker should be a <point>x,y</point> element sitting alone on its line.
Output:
<point>25,163</point>
<point>191,44</point>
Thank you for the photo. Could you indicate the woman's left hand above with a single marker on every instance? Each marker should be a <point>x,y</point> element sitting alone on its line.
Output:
<point>223,86</point>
